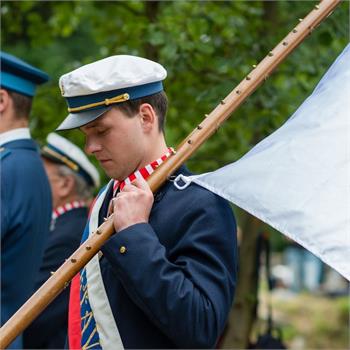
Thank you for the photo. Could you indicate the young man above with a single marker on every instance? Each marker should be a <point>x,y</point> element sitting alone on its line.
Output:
<point>73,179</point>
<point>25,191</point>
<point>166,278</point>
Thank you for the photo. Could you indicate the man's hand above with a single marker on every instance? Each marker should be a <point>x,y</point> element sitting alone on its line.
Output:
<point>132,205</point>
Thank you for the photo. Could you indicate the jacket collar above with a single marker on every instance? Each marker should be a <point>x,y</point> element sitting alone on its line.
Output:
<point>14,135</point>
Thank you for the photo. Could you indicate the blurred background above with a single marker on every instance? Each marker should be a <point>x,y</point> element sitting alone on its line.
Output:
<point>207,48</point>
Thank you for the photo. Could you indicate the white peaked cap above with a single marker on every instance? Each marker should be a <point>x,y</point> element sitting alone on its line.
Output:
<point>64,151</point>
<point>111,73</point>
<point>93,89</point>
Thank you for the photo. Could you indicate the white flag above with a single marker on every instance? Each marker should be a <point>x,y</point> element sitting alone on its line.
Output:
<point>297,180</point>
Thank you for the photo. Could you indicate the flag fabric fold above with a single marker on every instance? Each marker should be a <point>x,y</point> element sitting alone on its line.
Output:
<point>298,179</point>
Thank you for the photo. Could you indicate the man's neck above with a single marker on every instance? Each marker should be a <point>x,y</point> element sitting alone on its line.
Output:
<point>7,125</point>
<point>157,150</point>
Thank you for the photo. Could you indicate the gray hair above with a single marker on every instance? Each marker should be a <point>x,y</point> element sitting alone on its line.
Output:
<point>83,189</point>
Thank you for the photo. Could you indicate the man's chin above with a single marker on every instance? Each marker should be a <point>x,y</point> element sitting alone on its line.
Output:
<point>112,174</point>
<point>108,172</point>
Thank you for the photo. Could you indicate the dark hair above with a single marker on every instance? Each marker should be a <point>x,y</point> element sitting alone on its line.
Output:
<point>22,104</point>
<point>158,101</point>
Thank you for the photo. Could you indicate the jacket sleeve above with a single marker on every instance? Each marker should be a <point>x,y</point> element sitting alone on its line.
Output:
<point>4,194</point>
<point>3,213</point>
<point>188,290</point>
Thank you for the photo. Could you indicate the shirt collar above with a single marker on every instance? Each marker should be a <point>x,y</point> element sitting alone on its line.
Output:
<point>13,135</point>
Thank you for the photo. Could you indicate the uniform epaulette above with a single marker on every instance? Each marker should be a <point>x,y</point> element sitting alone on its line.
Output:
<point>4,152</point>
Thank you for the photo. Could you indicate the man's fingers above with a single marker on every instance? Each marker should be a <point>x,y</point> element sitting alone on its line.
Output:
<point>141,183</point>
<point>129,188</point>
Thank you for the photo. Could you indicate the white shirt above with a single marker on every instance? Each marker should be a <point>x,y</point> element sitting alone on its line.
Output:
<point>14,134</point>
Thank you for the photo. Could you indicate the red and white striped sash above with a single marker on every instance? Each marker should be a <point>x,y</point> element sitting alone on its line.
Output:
<point>106,325</point>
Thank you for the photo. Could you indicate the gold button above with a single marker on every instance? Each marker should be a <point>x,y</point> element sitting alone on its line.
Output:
<point>122,249</point>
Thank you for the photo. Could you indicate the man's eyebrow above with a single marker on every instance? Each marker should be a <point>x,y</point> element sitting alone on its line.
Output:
<point>89,125</point>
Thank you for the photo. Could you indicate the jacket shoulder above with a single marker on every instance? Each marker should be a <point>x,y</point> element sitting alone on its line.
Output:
<point>4,152</point>
<point>195,196</point>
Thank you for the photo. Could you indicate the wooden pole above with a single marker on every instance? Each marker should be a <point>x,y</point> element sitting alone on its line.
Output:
<point>60,279</point>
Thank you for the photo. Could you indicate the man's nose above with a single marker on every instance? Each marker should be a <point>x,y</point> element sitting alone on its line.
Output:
<point>92,146</point>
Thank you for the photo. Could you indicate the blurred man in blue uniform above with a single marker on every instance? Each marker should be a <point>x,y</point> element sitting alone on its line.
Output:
<point>25,190</point>
<point>73,179</point>
<point>166,278</point>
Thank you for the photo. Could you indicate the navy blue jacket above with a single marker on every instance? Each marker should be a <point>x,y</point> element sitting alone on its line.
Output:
<point>49,330</point>
<point>25,219</point>
<point>173,286</point>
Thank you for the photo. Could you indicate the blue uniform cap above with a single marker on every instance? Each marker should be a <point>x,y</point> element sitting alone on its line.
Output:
<point>19,76</point>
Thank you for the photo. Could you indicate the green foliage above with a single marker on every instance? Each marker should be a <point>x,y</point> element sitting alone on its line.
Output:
<point>206,46</point>
<point>343,307</point>
<point>311,322</point>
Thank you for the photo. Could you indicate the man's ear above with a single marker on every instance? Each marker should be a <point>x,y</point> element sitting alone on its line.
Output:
<point>67,187</point>
<point>148,117</point>
<point>4,100</point>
